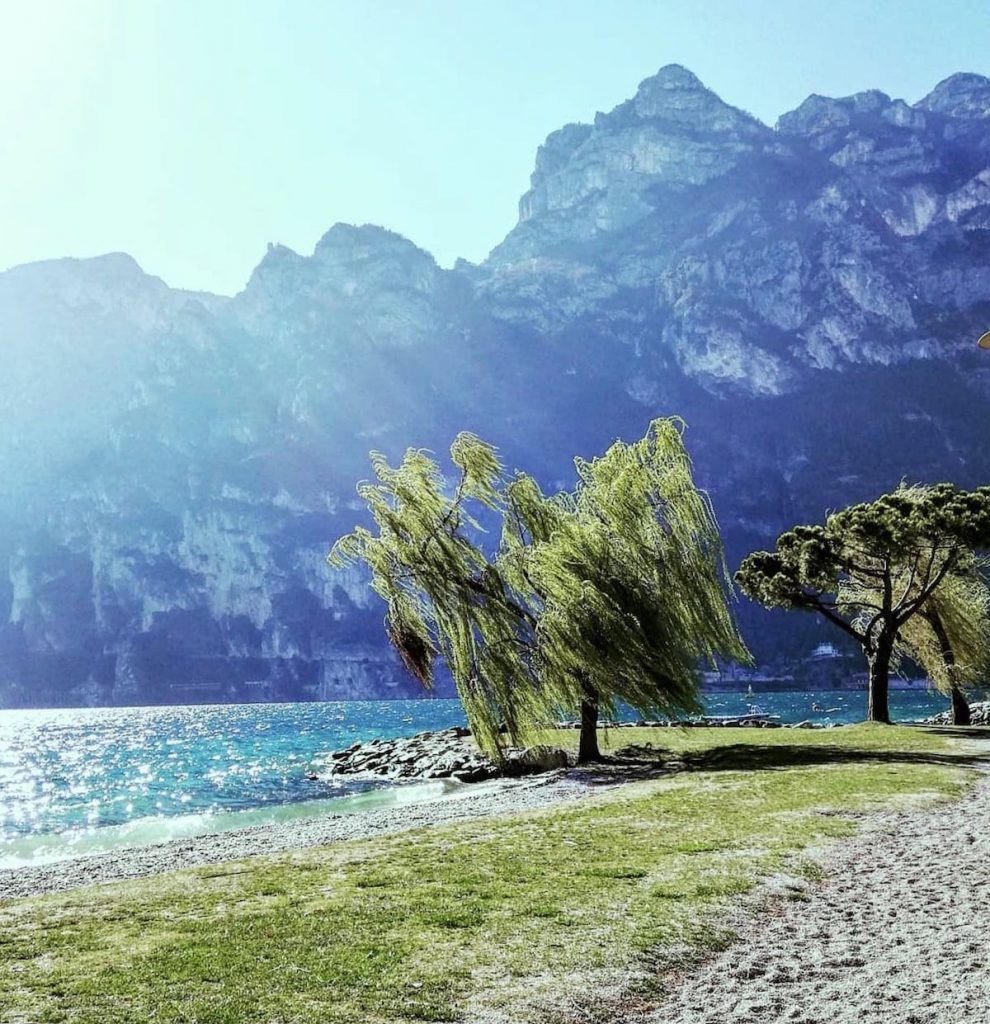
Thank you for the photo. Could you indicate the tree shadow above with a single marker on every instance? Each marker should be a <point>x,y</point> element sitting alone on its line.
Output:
<point>972,732</point>
<point>647,762</point>
<point>745,756</point>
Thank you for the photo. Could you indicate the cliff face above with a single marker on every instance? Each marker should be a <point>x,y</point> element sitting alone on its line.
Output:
<point>175,466</point>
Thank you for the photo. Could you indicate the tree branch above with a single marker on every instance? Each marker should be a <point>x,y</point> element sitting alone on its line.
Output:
<point>828,612</point>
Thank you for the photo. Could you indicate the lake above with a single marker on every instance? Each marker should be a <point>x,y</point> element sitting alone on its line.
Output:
<point>84,780</point>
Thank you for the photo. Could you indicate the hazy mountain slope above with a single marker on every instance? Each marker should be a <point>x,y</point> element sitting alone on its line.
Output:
<point>175,466</point>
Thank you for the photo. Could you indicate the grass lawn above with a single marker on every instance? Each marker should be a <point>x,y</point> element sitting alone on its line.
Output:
<point>420,925</point>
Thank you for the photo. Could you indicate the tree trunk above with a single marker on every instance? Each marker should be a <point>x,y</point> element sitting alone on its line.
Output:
<point>960,707</point>
<point>877,706</point>
<point>588,742</point>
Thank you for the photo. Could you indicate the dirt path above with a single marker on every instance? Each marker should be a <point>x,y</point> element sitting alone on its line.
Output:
<point>898,933</point>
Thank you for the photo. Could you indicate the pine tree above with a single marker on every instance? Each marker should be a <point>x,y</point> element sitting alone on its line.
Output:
<point>871,568</point>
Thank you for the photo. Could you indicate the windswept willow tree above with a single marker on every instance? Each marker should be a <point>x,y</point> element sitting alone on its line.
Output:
<point>443,596</point>
<point>949,638</point>
<point>614,592</point>
<point>629,579</point>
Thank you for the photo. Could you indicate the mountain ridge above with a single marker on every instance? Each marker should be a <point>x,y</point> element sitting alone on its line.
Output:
<point>176,464</point>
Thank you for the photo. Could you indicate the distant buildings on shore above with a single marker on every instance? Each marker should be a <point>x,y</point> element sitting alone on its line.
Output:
<point>824,668</point>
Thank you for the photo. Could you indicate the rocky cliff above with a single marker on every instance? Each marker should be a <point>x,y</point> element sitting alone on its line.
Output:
<point>174,466</point>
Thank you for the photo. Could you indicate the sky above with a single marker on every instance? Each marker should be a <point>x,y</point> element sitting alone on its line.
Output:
<point>190,133</point>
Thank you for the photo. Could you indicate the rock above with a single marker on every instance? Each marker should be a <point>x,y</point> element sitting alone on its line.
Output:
<point>449,753</point>
<point>535,759</point>
<point>979,715</point>
<point>478,773</point>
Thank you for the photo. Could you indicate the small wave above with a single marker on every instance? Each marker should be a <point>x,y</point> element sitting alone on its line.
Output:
<point>37,850</point>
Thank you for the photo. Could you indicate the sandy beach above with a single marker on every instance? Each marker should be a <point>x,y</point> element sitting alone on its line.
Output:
<point>895,933</point>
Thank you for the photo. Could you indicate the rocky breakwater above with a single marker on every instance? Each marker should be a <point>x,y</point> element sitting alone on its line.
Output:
<point>446,754</point>
<point>979,714</point>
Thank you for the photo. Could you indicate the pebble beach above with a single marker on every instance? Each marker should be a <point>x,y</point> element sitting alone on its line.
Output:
<point>491,799</point>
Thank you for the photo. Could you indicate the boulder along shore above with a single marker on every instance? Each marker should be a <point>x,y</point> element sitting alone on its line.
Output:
<point>444,754</point>
<point>453,754</point>
<point>979,714</point>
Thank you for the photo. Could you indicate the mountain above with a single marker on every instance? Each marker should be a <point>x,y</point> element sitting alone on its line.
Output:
<point>175,465</point>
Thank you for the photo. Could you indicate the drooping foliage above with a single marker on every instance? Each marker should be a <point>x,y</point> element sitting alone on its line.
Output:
<point>443,595</point>
<point>873,567</point>
<point>949,638</point>
<point>628,575</point>
<point>613,592</point>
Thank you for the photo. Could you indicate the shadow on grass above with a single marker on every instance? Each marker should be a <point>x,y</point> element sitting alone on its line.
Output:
<point>742,756</point>
<point>641,762</point>
<point>971,732</point>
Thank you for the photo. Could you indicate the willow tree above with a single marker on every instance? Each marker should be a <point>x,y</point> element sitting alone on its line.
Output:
<point>873,567</point>
<point>953,647</point>
<point>949,638</point>
<point>629,578</point>
<point>443,595</point>
<point>612,592</point>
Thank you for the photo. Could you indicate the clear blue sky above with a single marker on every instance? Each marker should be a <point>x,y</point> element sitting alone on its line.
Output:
<point>191,132</point>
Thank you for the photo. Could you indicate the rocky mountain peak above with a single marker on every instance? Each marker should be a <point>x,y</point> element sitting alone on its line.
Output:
<point>960,95</point>
<point>677,95</point>
<point>112,286</point>
<point>675,132</point>
<point>818,114</point>
<point>362,272</point>
<point>116,268</point>
<point>673,76</point>
<point>362,259</point>
<point>344,253</point>
<point>355,243</point>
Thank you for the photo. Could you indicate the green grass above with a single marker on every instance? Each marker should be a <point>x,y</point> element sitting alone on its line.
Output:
<point>411,927</point>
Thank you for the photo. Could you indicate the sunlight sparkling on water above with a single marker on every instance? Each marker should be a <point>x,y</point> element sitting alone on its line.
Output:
<point>78,770</point>
<point>83,780</point>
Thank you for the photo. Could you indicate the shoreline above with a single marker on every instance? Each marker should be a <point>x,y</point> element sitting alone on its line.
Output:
<point>505,796</point>
<point>490,799</point>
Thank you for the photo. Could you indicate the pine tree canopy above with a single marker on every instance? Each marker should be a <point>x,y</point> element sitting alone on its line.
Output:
<point>613,592</point>
<point>872,568</point>
<point>928,532</point>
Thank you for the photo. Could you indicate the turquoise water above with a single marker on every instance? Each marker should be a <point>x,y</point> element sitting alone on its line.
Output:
<point>86,779</point>
<point>840,706</point>
<point>81,780</point>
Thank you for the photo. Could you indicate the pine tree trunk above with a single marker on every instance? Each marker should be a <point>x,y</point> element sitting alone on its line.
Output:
<point>960,707</point>
<point>878,705</point>
<point>588,742</point>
